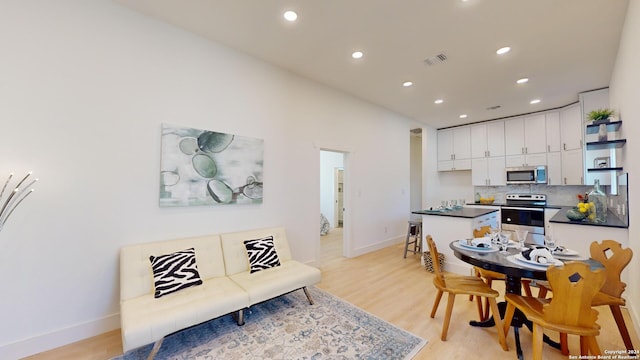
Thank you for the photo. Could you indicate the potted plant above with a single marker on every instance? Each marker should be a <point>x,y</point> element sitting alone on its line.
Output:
<point>600,116</point>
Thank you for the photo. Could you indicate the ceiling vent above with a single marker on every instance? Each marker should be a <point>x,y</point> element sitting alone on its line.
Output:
<point>494,107</point>
<point>440,58</point>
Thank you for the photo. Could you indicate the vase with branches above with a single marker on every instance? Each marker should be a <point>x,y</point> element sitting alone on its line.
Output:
<point>15,197</point>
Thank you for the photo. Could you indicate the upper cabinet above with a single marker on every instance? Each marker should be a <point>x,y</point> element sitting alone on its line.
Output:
<point>454,149</point>
<point>571,127</point>
<point>554,142</point>
<point>487,139</point>
<point>526,135</point>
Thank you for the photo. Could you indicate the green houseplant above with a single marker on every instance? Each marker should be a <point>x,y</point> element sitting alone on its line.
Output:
<point>600,115</point>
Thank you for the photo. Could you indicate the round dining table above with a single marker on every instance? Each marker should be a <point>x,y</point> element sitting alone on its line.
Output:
<point>514,270</point>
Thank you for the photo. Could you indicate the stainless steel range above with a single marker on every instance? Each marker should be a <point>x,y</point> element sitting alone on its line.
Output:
<point>525,212</point>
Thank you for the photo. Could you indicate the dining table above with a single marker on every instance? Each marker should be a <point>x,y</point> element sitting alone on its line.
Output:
<point>515,268</point>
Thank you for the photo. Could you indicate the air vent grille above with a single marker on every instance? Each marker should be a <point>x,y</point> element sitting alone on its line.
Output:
<point>440,58</point>
<point>494,107</point>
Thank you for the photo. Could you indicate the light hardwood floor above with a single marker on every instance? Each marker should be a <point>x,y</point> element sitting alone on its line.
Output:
<point>401,292</point>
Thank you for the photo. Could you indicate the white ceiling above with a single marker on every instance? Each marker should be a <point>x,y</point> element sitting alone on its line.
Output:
<point>563,46</point>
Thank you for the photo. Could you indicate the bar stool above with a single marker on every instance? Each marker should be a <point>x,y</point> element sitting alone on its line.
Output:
<point>414,237</point>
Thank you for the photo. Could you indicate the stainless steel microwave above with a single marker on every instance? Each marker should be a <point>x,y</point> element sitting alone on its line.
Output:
<point>527,175</point>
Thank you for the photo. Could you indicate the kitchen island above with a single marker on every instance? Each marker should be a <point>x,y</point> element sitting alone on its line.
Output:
<point>445,226</point>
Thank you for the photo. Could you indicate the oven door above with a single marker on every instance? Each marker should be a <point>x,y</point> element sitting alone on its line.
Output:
<point>524,218</point>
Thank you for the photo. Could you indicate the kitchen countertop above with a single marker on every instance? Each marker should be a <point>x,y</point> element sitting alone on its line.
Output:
<point>465,212</point>
<point>612,219</point>
<point>548,206</point>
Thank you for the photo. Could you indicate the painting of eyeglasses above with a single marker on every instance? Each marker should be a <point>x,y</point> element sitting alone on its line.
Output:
<point>204,167</point>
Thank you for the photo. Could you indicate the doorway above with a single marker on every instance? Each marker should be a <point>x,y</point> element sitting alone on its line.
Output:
<point>332,205</point>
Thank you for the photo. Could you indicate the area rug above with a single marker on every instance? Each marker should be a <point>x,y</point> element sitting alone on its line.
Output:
<point>288,327</point>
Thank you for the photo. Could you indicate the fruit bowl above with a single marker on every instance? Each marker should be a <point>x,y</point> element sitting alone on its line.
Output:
<point>487,201</point>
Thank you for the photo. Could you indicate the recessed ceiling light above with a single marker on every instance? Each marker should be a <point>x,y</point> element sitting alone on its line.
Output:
<point>407,83</point>
<point>522,81</point>
<point>438,101</point>
<point>503,50</point>
<point>290,15</point>
<point>534,101</point>
<point>357,55</point>
<point>463,116</point>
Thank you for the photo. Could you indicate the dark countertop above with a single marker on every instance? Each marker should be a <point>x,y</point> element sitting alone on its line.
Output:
<point>612,219</point>
<point>465,212</point>
<point>548,206</point>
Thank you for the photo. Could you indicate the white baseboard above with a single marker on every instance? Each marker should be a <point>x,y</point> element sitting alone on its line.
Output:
<point>52,340</point>
<point>377,246</point>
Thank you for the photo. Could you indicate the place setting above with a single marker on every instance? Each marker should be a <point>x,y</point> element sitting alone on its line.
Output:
<point>541,257</point>
<point>482,244</point>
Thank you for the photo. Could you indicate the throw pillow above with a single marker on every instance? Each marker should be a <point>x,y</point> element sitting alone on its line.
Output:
<point>262,254</point>
<point>174,272</point>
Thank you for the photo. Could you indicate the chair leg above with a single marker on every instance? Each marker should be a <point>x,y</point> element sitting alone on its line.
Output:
<point>564,344</point>
<point>542,292</point>
<point>584,346</point>
<point>537,341</point>
<point>306,292</point>
<point>480,309</point>
<point>447,316</point>
<point>436,303</point>
<point>502,338</point>
<point>526,285</point>
<point>617,315</point>
<point>592,344</point>
<point>508,316</point>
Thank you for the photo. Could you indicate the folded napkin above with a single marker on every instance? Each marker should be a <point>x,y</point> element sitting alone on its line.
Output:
<point>540,255</point>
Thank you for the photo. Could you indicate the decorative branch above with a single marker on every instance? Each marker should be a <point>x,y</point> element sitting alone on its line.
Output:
<point>15,198</point>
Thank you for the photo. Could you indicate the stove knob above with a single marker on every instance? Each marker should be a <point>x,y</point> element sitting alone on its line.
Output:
<point>508,219</point>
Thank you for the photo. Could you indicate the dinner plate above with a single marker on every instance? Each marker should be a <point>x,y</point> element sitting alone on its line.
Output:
<point>519,257</point>
<point>463,244</point>
<point>565,252</point>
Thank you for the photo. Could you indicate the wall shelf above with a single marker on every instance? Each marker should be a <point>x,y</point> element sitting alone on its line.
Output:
<point>611,127</point>
<point>605,169</point>
<point>610,144</point>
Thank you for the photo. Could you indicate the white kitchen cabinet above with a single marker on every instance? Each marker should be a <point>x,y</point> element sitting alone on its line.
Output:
<point>572,167</point>
<point>487,140</point>
<point>571,127</point>
<point>554,142</point>
<point>554,168</point>
<point>488,171</point>
<point>454,149</point>
<point>526,160</point>
<point>526,135</point>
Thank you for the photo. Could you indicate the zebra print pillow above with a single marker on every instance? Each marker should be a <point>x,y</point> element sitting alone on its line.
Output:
<point>173,272</point>
<point>262,254</point>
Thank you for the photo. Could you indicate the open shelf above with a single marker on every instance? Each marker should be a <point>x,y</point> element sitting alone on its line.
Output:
<point>605,169</point>
<point>611,127</point>
<point>610,144</point>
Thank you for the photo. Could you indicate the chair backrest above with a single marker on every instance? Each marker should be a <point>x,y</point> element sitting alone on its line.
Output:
<point>478,233</point>
<point>614,264</point>
<point>574,286</point>
<point>433,249</point>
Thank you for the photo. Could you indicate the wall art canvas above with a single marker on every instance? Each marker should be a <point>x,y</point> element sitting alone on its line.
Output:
<point>204,167</point>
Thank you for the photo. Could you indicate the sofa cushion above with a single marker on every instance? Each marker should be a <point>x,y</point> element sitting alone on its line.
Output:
<point>261,253</point>
<point>174,272</point>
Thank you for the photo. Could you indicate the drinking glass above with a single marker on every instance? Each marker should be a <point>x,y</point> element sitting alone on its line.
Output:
<point>504,242</point>
<point>494,232</point>
<point>461,202</point>
<point>521,235</point>
<point>453,204</point>
<point>550,242</point>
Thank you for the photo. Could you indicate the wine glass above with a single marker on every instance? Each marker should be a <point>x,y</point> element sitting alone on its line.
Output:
<point>504,242</point>
<point>493,233</point>
<point>521,235</point>
<point>550,242</point>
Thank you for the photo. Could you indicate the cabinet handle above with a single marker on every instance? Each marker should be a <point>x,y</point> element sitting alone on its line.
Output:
<point>522,150</point>
<point>564,146</point>
<point>565,181</point>
<point>526,151</point>
<point>548,148</point>
<point>580,142</point>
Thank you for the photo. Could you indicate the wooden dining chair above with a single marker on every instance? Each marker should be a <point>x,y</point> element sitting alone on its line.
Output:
<point>614,258</point>
<point>574,286</point>
<point>465,285</point>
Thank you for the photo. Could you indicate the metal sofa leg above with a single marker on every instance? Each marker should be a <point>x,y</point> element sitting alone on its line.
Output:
<point>306,292</point>
<point>239,317</point>
<point>156,348</point>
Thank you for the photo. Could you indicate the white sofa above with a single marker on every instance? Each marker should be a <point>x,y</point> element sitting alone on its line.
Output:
<point>228,286</point>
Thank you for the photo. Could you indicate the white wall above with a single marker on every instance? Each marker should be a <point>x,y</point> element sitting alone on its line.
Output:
<point>329,161</point>
<point>415,172</point>
<point>624,90</point>
<point>85,87</point>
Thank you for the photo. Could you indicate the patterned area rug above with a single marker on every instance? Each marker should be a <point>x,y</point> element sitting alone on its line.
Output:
<point>289,328</point>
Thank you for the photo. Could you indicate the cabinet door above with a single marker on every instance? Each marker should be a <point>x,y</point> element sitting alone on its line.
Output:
<point>514,136</point>
<point>445,165</point>
<point>479,141</point>
<point>571,128</point>
<point>464,164</point>
<point>535,159</point>
<point>553,132</point>
<point>479,174</point>
<point>515,161</point>
<point>445,145</point>
<point>572,167</point>
<point>495,171</point>
<point>554,168</point>
<point>462,143</point>
<point>495,138</point>
<point>535,136</point>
